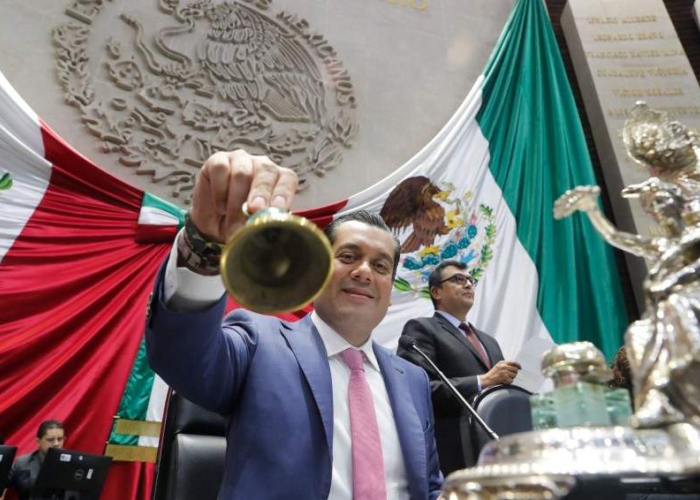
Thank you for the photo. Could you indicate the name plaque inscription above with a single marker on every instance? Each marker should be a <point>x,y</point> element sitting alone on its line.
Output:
<point>623,52</point>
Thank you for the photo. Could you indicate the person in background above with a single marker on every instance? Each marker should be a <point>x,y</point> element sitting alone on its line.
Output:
<point>25,470</point>
<point>470,358</point>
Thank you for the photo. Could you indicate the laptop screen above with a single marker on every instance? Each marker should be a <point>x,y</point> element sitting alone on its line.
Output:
<point>72,470</point>
<point>7,455</point>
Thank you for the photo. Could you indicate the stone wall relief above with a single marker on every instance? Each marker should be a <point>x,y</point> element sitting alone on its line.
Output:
<point>215,76</point>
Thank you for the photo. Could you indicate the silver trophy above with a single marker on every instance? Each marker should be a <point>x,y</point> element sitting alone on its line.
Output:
<point>663,346</point>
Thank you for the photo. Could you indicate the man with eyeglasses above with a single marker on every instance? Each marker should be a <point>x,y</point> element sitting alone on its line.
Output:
<point>470,358</point>
<point>26,468</point>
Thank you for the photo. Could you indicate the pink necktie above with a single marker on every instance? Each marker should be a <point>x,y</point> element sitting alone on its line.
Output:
<point>475,342</point>
<point>368,482</point>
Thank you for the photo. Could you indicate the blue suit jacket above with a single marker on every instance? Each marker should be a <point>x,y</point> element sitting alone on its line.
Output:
<point>272,382</point>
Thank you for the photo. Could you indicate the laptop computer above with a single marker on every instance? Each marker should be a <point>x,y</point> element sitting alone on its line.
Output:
<point>81,474</point>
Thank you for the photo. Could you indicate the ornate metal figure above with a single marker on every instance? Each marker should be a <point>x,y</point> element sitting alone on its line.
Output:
<point>664,345</point>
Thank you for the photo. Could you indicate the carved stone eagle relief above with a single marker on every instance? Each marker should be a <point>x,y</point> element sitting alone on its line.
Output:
<point>212,76</point>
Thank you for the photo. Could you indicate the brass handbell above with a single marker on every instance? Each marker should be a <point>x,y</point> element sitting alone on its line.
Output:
<point>278,262</point>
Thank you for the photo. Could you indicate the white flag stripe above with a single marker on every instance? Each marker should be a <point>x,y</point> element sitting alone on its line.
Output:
<point>16,115</point>
<point>506,297</point>
<point>30,174</point>
<point>156,217</point>
<point>422,162</point>
<point>156,406</point>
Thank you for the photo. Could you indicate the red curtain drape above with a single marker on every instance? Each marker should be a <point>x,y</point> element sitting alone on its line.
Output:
<point>73,293</point>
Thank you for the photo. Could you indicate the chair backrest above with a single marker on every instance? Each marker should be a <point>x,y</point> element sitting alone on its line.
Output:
<point>504,408</point>
<point>190,462</point>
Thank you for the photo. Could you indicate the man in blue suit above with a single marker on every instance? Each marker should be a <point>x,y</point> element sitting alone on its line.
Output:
<point>314,408</point>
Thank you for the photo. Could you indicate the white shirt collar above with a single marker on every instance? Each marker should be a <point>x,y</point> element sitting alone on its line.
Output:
<point>335,344</point>
<point>454,321</point>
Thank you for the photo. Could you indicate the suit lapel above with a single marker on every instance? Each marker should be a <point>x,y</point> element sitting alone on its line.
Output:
<point>408,423</point>
<point>306,344</point>
<point>456,332</point>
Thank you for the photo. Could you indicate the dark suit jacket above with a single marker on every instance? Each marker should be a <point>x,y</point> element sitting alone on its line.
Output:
<point>24,473</point>
<point>272,382</point>
<point>457,358</point>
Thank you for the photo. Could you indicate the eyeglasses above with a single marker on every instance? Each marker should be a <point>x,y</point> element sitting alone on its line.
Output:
<point>460,279</point>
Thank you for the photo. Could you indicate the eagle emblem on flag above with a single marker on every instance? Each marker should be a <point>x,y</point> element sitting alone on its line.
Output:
<point>434,224</point>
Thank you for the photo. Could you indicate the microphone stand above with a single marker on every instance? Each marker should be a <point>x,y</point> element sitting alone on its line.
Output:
<point>472,411</point>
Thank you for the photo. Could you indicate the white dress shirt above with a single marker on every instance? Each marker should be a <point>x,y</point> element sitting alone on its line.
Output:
<point>394,468</point>
<point>185,290</point>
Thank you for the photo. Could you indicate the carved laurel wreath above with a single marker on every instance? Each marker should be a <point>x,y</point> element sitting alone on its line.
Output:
<point>217,76</point>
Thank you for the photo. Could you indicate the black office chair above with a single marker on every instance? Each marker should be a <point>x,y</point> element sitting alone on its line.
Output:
<point>504,408</point>
<point>190,463</point>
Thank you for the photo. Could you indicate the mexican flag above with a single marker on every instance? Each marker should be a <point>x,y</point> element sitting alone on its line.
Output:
<point>485,187</point>
<point>79,250</point>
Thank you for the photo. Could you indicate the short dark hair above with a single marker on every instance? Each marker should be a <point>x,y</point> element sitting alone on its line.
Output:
<point>371,219</point>
<point>436,276</point>
<point>47,425</point>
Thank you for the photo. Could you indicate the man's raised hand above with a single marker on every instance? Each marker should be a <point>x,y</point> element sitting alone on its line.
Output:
<point>229,179</point>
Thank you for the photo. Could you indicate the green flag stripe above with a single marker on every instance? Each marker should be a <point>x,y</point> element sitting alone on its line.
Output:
<point>134,403</point>
<point>152,201</point>
<point>137,393</point>
<point>538,151</point>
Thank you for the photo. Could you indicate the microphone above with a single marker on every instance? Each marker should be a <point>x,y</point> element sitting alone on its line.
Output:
<point>411,345</point>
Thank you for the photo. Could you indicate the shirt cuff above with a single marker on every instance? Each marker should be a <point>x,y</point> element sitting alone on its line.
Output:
<point>478,384</point>
<point>187,291</point>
